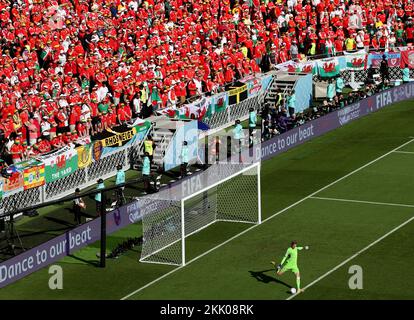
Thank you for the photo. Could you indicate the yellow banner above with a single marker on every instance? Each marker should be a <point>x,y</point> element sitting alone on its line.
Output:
<point>118,138</point>
<point>34,177</point>
<point>84,156</point>
<point>237,90</point>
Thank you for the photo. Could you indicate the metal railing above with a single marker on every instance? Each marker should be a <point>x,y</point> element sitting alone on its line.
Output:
<point>82,178</point>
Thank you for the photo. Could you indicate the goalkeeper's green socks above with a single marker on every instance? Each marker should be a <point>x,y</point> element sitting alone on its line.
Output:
<point>298,283</point>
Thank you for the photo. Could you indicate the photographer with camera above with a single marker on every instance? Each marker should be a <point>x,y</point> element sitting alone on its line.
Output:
<point>385,75</point>
<point>78,205</point>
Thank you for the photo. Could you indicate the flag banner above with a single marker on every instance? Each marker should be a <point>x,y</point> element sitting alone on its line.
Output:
<point>407,59</point>
<point>120,138</point>
<point>266,81</point>
<point>14,183</point>
<point>218,103</point>
<point>34,176</point>
<point>139,122</point>
<point>393,59</point>
<point>237,93</point>
<point>123,135</point>
<point>356,61</point>
<point>84,156</point>
<point>97,150</point>
<point>298,67</point>
<point>328,68</point>
<point>195,110</point>
<point>117,136</point>
<point>256,83</point>
<point>169,112</point>
<point>60,164</point>
<point>408,47</point>
<point>284,65</point>
<point>141,126</point>
<point>302,67</point>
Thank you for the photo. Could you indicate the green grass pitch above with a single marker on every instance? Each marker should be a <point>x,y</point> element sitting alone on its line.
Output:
<point>347,223</point>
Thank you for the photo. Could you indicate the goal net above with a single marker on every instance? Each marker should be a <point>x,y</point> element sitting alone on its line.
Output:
<point>224,192</point>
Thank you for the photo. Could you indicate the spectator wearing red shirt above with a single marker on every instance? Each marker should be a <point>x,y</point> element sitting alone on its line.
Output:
<point>201,39</point>
<point>16,152</point>
<point>57,142</point>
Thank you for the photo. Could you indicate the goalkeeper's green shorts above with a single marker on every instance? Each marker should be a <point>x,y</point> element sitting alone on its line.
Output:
<point>292,268</point>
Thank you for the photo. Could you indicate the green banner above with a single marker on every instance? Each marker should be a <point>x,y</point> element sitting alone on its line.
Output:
<point>328,68</point>
<point>218,103</point>
<point>60,164</point>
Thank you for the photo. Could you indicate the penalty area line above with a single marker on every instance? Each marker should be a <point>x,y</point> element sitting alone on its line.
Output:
<point>365,202</point>
<point>267,219</point>
<point>353,256</point>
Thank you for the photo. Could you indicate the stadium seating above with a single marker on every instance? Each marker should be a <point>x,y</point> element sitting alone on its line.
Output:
<point>71,68</point>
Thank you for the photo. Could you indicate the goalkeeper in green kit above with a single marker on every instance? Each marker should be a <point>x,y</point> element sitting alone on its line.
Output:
<point>289,263</point>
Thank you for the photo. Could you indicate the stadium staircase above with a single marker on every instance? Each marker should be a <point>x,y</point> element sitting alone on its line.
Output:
<point>285,82</point>
<point>162,138</point>
<point>162,132</point>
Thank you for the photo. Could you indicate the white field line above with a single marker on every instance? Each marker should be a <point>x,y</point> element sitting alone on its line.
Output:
<point>267,219</point>
<point>407,152</point>
<point>367,202</point>
<point>354,256</point>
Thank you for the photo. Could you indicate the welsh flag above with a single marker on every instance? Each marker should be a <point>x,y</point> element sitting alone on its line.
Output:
<point>170,112</point>
<point>302,67</point>
<point>407,59</point>
<point>356,61</point>
<point>196,110</point>
<point>328,68</point>
<point>218,103</point>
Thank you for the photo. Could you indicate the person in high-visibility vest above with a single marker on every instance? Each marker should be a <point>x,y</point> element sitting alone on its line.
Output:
<point>350,43</point>
<point>149,147</point>
<point>279,98</point>
<point>312,49</point>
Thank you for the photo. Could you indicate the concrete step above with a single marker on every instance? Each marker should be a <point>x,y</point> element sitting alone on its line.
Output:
<point>285,86</point>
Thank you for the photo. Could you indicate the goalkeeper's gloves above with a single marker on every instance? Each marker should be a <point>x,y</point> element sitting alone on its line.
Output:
<point>279,267</point>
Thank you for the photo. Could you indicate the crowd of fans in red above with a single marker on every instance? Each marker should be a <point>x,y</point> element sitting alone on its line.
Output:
<point>71,68</point>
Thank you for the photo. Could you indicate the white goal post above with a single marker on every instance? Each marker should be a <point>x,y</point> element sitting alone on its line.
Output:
<point>226,192</point>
